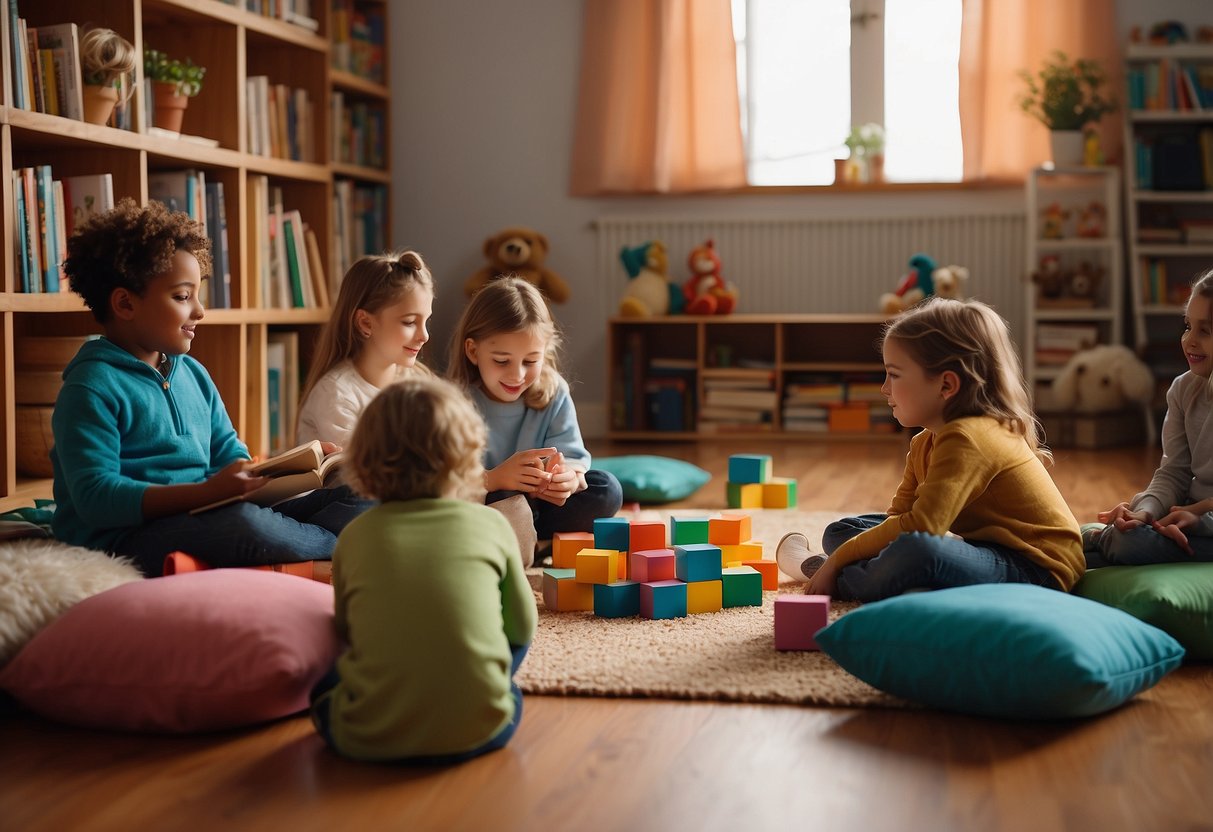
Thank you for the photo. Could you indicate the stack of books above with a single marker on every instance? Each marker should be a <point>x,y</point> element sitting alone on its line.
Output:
<point>738,400</point>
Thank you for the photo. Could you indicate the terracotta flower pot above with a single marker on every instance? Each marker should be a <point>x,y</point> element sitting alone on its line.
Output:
<point>99,102</point>
<point>169,107</point>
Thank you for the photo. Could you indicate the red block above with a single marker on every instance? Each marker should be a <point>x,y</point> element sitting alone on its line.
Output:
<point>798,618</point>
<point>652,565</point>
<point>646,535</point>
<point>769,570</point>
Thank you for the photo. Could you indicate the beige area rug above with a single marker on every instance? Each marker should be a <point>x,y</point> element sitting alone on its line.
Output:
<point>729,655</point>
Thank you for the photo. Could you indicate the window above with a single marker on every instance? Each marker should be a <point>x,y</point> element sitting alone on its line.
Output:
<point>807,71</point>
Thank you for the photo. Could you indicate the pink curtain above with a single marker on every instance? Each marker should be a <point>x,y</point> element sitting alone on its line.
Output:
<point>657,110</point>
<point>1001,37</point>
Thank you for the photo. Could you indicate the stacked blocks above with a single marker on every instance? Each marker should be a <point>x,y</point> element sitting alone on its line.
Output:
<point>798,619</point>
<point>626,568</point>
<point>751,484</point>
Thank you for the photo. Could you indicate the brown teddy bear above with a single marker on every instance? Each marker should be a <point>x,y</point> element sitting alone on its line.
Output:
<point>518,251</point>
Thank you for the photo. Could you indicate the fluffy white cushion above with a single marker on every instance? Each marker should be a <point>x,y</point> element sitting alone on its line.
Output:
<point>42,579</point>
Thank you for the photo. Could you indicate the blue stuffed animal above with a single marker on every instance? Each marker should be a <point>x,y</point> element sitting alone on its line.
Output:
<point>919,283</point>
<point>650,291</point>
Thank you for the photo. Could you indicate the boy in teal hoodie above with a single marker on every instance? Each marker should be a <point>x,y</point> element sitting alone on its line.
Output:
<point>141,434</point>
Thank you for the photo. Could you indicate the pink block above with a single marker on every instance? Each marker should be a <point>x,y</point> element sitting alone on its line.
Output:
<point>644,535</point>
<point>651,565</point>
<point>798,618</point>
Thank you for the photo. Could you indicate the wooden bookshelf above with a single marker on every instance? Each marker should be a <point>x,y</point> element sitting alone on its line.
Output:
<point>233,44</point>
<point>770,354</point>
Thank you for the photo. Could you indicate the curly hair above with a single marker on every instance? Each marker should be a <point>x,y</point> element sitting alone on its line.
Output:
<point>128,246</point>
<point>508,304</point>
<point>420,437</point>
<point>973,341</point>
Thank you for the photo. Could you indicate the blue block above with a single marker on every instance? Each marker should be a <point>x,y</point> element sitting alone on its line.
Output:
<point>697,562</point>
<point>688,530</point>
<point>663,599</point>
<point>746,468</point>
<point>618,600</point>
<point>612,533</point>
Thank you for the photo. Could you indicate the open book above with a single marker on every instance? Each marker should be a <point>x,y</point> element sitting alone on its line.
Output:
<point>301,469</point>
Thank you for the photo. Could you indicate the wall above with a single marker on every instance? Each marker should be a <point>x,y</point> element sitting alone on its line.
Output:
<point>482,113</point>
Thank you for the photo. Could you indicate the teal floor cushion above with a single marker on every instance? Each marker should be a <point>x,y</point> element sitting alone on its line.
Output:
<point>1006,650</point>
<point>653,479</point>
<point>1176,597</point>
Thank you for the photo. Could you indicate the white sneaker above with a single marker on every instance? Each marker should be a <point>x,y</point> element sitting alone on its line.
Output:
<point>794,558</point>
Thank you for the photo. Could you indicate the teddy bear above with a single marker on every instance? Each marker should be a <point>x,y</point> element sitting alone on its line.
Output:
<point>650,291</point>
<point>1050,280</point>
<point>705,290</point>
<point>919,283</point>
<point>1102,379</point>
<point>1083,282</point>
<point>518,251</point>
<point>949,281</point>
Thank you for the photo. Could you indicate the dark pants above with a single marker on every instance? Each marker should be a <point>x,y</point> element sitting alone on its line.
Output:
<point>321,717</point>
<point>602,498</point>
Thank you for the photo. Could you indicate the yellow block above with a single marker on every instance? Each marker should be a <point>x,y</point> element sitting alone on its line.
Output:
<point>744,495</point>
<point>566,545</point>
<point>731,553</point>
<point>705,596</point>
<point>729,529</point>
<point>780,492</point>
<point>598,566</point>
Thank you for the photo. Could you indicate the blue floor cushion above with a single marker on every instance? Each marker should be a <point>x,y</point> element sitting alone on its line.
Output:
<point>1176,597</point>
<point>1006,650</point>
<point>654,479</point>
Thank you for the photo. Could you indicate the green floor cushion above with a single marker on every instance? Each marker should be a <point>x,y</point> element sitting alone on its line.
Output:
<point>1005,650</point>
<point>654,479</point>
<point>1176,597</point>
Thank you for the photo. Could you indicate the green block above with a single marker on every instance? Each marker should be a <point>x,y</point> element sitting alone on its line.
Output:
<point>742,587</point>
<point>686,530</point>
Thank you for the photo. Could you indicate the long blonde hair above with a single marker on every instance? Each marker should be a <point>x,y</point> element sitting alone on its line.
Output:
<point>973,341</point>
<point>372,283</point>
<point>507,304</point>
<point>420,437</point>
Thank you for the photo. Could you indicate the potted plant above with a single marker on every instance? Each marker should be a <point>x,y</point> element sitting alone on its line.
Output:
<point>1066,96</point>
<point>866,143</point>
<point>107,66</point>
<point>173,84</point>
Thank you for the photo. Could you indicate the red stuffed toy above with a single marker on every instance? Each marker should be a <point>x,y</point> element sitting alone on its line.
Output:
<point>706,291</point>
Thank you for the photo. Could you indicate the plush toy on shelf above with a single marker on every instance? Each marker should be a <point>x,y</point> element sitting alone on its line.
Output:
<point>1050,280</point>
<point>949,281</point>
<point>919,283</point>
<point>1092,219</point>
<point>519,251</point>
<point>650,291</point>
<point>1053,221</point>
<point>1082,283</point>
<point>1103,379</point>
<point>705,290</point>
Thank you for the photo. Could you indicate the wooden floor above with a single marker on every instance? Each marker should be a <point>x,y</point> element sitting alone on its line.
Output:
<point>603,764</point>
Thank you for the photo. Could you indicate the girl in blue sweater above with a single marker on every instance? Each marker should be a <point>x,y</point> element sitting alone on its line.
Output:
<point>141,434</point>
<point>504,354</point>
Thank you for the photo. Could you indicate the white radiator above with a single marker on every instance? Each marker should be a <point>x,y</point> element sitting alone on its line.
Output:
<point>828,265</point>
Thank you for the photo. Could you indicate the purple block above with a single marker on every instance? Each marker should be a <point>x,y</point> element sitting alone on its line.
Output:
<point>798,618</point>
<point>651,565</point>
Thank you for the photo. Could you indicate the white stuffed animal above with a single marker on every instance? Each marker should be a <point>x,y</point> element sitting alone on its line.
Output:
<point>1102,379</point>
<point>950,281</point>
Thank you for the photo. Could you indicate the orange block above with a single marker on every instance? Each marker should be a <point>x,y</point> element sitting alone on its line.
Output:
<point>645,535</point>
<point>769,570</point>
<point>740,552</point>
<point>853,417</point>
<point>729,529</point>
<point>566,545</point>
<point>561,592</point>
<point>599,566</point>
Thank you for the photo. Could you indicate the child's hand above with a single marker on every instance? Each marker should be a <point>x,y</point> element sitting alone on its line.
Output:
<point>1199,507</point>
<point>1172,525</point>
<point>235,480</point>
<point>327,448</point>
<point>824,582</point>
<point>563,483</point>
<point>1124,518</point>
<point>522,472</point>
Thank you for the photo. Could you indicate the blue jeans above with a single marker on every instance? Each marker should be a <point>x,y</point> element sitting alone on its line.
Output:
<point>602,498</point>
<point>243,534</point>
<point>322,718</point>
<point>1143,545</point>
<point>917,560</point>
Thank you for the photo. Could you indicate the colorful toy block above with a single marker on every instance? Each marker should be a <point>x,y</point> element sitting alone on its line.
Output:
<point>562,593</point>
<point>744,494</point>
<point>653,565</point>
<point>697,562</point>
<point>684,530</point>
<point>749,468</point>
<point>742,587</point>
<point>566,545</point>
<point>663,599</point>
<point>618,600</point>
<point>729,529</point>
<point>704,596</point>
<point>798,619</point>
<point>598,566</point>
<point>612,533</point>
<point>644,535</point>
<point>731,553</point>
<point>780,492</point>
<point>769,570</point>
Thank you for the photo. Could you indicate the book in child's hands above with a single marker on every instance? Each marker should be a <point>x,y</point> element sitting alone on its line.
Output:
<point>302,469</point>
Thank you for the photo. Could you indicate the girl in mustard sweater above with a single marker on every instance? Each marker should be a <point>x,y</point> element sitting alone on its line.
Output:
<point>975,504</point>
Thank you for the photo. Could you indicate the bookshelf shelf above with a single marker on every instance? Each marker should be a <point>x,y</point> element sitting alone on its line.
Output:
<point>236,344</point>
<point>679,378</point>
